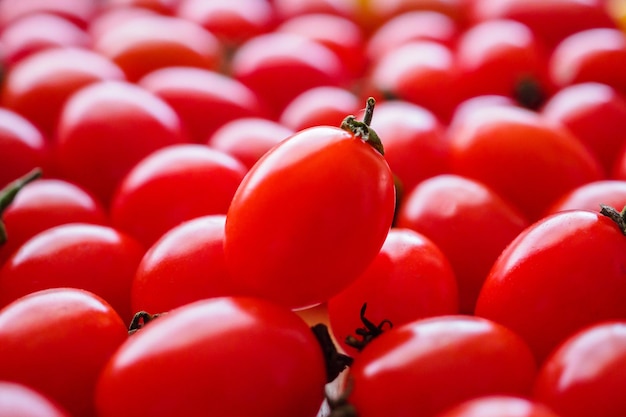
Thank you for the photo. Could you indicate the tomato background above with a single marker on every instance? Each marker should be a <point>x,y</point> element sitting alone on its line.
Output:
<point>199,150</point>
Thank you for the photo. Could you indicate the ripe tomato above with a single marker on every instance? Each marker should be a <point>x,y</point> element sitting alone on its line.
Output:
<point>203,99</point>
<point>520,156</point>
<point>166,7</point>
<point>310,215</point>
<point>562,273</point>
<point>429,365</point>
<point>145,43</point>
<point>184,181</point>
<point>57,342</point>
<point>102,119</point>
<point>499,406</point>
<point>380,12</point>
<point>43,204</point>
<point>38,86</point>
<point>19,400</point>
<point>96,258</point>
<point>596,114</point>
<point>248,139</point>
<point>591,195</point>
<point>80,12</point>
<point>584,375</point>
<point>460,214</point>
<point>223,356</point>
<point>410,278</point>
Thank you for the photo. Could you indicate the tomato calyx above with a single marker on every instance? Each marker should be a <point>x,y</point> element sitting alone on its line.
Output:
<point>8,194</point>
<point>362,129</point>
<point>335,362</point>
<point>140,320</point>
<point>619,217</point>
<point>368,332</point>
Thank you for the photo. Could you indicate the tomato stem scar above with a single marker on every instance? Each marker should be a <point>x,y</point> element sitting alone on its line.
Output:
<point>8,193</point>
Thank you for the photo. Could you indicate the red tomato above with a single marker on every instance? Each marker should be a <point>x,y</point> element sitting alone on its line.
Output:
<point>310,216</point>
<point>78,11</point>
<point>319,106</point>
<point>415,143</point>
<point>410,278</point>
<point>46,203</point>
<point>286,9</point>
<point>550,20</point>
<point>562,273</point>
<point>499,406</point>
<point>247,139</point>
<point>145,43</point>
<point>427,366</point>
<point>266,62</point>
<point>591,195</point>
<point>461,215</point>
<point>520,156</point>
<point>114,16</point>
<point>193,253</point>
<point>380,12</point>
<point>106,128</point>
<point>584,375</point>
<point>418,72</point>
<point>503,57</point>
<point>19,400</point>
<point>590,55</point>
<point>468,106</point>
<point>184,181</point>
<point>596,114</point>
<point>217,357</point>
<point>57,342</point>
<point>203,99</point>
<point>38,31</point>
<point>38,86</point>
<point>165,7</point>
<point>22,146</point>
<point>96,258</point>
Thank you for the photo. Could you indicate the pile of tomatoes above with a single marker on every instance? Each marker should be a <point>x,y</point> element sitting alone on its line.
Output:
<point>300,208</point>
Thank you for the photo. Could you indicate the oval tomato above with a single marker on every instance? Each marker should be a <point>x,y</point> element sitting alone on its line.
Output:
<point>590,196</point>
<point>562,273</point>
<point>217,357</point>
<point>310,215</point>
<point>19,400</point>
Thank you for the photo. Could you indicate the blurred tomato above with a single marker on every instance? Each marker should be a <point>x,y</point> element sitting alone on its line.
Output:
<point>499,406</point>
<point>19,400</point>
<point>166,7</point>
<point>591,195</point>
<point>78,11</point>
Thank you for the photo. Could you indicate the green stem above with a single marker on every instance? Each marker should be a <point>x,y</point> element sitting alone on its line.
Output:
<point>363,129</point>
<point>8,193</point>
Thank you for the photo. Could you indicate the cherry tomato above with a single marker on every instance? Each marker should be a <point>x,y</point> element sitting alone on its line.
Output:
<point>184,181</point>
<point>145,43</point>
<point>520,156</point>
<point>310,215</point>
<point>380,12</point>
<point>596,114</point>
<point>38,31</point>
<point>590,55</point>
<point>114,16</point>
<point>459,215</point>
<point>278,66</point>
<point>429,365</point>
<point>43,204</point>
<point>165,7</point>
<point>100,121</point>
<point>203,99</point>
<point>38,86</point>
<point>217,357</point>
<point>499,406</point>
<point>232,22</point>
<point>22,146</point>
<point>584,375</point>
<point>467,107</point>
<point>410,278</point>
<point>248,139</point>
<point>591,195</point>
<point>80,12</point>
<point>93,257</point>
<point>562,273</point>
<point>317,106</point>
<point>57,342</point>
<point>19,400</point>
<point>286,9</point>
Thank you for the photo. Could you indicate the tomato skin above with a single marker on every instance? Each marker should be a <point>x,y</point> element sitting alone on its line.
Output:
<point>410,278</point>
<point>184,181</point>
<point>19,400</point>
<point>426,366</point>
<point>57,341</point>
<point>562,273</point>
<point>584,375</point>
<point>589,196</point>
<point>193,253</point>
<point>309,217</point>
<point>459,214</point>
<point>250,358</point>
<point>499,406</point>
<point>78,12</point>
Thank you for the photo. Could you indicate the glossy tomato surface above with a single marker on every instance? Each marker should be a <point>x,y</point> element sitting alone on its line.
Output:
<point>500,406</point>
<point>250,358</point>
<point>19,400</point>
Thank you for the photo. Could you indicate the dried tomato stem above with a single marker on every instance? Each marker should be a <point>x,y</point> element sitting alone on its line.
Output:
<point>335,362</point>
<point>368,332</point>
<point>363,129</point>
<point>8,193</point>
<point>618,217</point>
<point>140,320</point>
